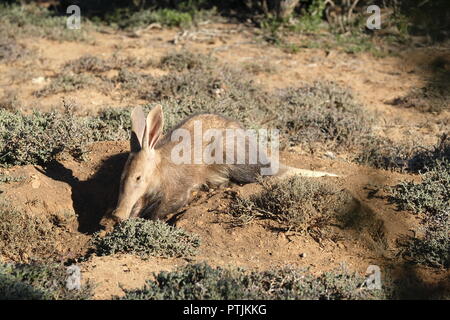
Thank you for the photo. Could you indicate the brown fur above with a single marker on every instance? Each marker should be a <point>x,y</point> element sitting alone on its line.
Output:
<point>152,186</point>
<point>180,180</point>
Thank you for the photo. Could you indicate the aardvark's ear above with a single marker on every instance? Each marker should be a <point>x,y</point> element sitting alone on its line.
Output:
<point>137,129</point>
<point>153,128</point>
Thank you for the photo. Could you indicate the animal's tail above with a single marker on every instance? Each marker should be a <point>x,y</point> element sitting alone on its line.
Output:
<point>286,171</point>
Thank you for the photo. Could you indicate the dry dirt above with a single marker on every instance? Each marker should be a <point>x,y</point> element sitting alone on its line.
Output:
<point>89,189</point>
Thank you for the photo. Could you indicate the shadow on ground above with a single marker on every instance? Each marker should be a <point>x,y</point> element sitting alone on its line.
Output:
<point>409,283</point>
<point>94,197</point>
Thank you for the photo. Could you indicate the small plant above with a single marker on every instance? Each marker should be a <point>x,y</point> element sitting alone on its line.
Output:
<point>136,84</point>
<point>432,250</point>
<point>296,203</point>
<point>431,199</point>
<point>88,63</point>
<point>65,83</point>
<point>428,158</point>
<point>322,112</point>
<point>36,21</point>
<point>126,19</point>
<point>5,178</point>
<point>95,65</point>
<point>11,50</point>
<point>39,137</point>
<point>184,60</point>
<point>202,282</point>
<point>257,68</point>
<point>10,100</point>
<point>385,154</point>
<point>38,282</point>
<point>311,18</point>
<point>147,238</point>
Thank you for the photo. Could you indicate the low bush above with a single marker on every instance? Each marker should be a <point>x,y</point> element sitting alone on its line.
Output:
<point>94,64</point>
<point>36,21</point>
<point>37,138</point>
<point>184,60</point>
<point>202,282</point>
<point>385,154</point>
<point>11,50</point>
<point>219,90</point>
<point>297,203</point>
<point>433,249</point>
<point>38,282</point>
<point>431,199</point>
<point>147,238</point>
<point>322,112</point>
<point>63,83</point>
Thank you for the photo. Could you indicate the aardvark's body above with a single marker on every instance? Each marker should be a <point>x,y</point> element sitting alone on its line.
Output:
<point>155,182</point>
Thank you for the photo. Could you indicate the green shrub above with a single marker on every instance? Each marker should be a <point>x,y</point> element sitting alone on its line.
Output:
<point>385,154</point>
<point>63,83</point>
<point>10,100</point>
<point>134,83</point>
<point>219,90</point>
<point>37,138</point>
<point>147,238</point>
<point>126,19</point>
<point>5,178</point>
<point>88,63</point>
<point>184,60</point>
<point>38,282</point>
<point>11,50</point>
<point>36,21</point>
<point>202,282</point>
<point>312,18</point>
<point>172,18</point>
<point>322,112</point>
<point>93,64</point>
<point>258,68</point>
<point>433,249</point>
<point>431,199</point>
<point>295,202</point>
<point>429,158</point>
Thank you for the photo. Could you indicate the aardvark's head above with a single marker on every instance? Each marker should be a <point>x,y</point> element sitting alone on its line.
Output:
<point>140,176</point>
